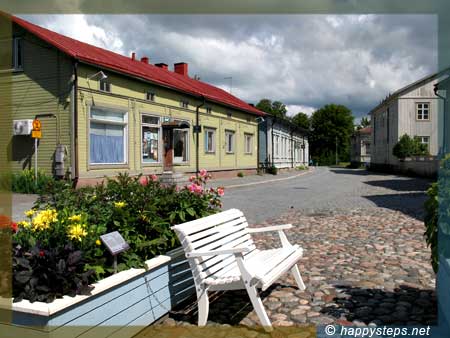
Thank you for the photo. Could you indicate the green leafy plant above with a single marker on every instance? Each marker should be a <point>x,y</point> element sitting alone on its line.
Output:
<point>301,167</point>
<point>408,146</point>
<point>240,174</point>
<point>272,170</point>
<point>437,216</point>
<point>24,182</point>
<point>66,220</point>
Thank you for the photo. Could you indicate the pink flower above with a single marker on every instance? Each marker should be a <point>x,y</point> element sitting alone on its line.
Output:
<point>220,191</point>
<point>203,172</point>
<point>192,178</point>
<point>195,188</point>
<point>153,177</point>
<point>143,180</point>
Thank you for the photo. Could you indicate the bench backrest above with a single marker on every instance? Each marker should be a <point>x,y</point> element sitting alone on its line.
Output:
<point>224,230</point>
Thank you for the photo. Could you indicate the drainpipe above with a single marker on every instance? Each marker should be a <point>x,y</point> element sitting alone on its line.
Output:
<point>197,144</point>
<point>444,139</point>
<point>74,123</point>
<point>273,161</point>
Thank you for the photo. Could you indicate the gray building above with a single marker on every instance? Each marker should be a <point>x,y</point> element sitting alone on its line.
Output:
<point>282,144</point>
<point>411,110</point>
<point>360,146</point>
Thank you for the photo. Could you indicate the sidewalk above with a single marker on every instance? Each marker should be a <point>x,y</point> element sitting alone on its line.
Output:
<point>237,182</point>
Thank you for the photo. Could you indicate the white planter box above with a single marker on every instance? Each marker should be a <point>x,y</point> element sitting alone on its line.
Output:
<point>118,306</point>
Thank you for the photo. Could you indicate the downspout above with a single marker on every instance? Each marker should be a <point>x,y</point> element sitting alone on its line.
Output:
<point>197,132</point>
<point>74,124</point>
<point>444,140</point>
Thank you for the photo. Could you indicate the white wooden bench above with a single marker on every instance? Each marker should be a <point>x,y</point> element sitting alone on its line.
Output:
<point>222,256</point>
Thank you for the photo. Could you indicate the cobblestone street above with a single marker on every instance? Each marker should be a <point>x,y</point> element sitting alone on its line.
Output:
<point>366,265</point>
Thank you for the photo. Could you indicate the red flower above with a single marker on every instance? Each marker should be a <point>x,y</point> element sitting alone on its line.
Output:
<point>143,180</point>
<point>41,253</point>
<point>14,227</point>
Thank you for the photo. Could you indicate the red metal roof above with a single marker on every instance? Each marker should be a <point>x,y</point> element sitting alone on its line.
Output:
<point>104,58</point>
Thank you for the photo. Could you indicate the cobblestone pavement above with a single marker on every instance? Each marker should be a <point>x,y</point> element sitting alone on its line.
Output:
<point>363,266</point>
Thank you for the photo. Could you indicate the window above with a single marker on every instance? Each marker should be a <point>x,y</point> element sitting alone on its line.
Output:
<point>277,146</point>
<point>184,104</point>
<point>425,140</point>
<point>17,62</point>
<point>229,114</point>
<point>229,141</point>
<point>107,136</point>
<point>208,110</point>
<point>180,145</point>
<point>105,86</point>
<point>248,140</point>
<point>423,111</point>
<point>150,96</point>
<point>210,140</point>
<point>151,131</point>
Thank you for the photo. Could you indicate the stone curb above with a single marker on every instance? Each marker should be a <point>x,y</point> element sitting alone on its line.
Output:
<point>310,170</point>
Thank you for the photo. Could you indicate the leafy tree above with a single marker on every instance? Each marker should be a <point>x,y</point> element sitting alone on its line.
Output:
<point>275,108</point>
<point>301,120</point>
<point>331,125</point>
<point>365,122</point>
<point>408,146</point>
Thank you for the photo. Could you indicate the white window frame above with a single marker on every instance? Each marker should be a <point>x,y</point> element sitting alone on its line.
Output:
<point>420,111</point>
<point>277,146</point>
<point>421,138</point>
<point>233,141</point>
<point>107,89</point>
<point>151,125</point>
<point>248,150</point>
<point>213,147</point>
<point>125,136</point>
<point>150,96</point>
<point>188,150</point>
<point>16,42</point>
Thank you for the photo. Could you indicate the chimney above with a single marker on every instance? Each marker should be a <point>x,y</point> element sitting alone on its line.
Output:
<point>181,68</point>
<point>162,65</point>
<point>144,59</point>
<point>133,56</point>
<point>251,104</point>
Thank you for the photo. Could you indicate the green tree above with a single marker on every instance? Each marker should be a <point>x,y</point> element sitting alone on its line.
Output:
<point>275,108</point>
<point>408,146</point>
<point>365,122</point>
<point>301,120</point>
<point>331,126</point>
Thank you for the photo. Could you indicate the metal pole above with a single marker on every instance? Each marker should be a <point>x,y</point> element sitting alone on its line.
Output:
<point>336,150</point>
<point>115,263</point>
<point>35,159</point>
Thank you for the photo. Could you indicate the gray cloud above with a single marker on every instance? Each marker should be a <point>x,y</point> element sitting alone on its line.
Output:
<point>302,60</point>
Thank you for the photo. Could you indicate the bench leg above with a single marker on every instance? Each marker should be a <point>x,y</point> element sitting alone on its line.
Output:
<point>203,308</point>
<point>298,277</point>
<point>259,308</point>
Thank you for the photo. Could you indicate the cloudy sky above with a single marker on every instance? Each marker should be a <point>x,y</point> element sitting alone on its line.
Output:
<point>305,61</point>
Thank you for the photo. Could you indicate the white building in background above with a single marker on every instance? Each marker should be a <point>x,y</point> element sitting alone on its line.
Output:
<point>282,144</point>
<point>411,110</point>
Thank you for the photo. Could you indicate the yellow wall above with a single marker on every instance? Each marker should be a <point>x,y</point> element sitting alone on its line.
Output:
<point>129,94</point>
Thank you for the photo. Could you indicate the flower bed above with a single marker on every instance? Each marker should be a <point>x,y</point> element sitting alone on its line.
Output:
<point>58,251</point>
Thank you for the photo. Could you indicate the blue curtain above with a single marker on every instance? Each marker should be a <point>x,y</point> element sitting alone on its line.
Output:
<point>106,149</point>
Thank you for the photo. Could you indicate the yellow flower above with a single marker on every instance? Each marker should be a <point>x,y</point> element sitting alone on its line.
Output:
<point>29,213</point>
<point>24,224</point>
<point>75,218</point>
<point>98,242</point>
<point>77,232</point>
<point>44,219</point>
<point>119,205</point>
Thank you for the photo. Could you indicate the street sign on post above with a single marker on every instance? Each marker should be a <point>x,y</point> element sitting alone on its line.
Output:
<point>36,133</point>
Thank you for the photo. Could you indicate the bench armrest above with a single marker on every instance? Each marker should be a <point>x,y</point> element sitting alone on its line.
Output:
<point>216,252</point>
<point>271,228</point>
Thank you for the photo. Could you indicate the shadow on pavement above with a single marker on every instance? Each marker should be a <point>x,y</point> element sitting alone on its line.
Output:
<point>412,184</point>
<point>411,204</point>
<point>360,172</point>
<point>404,306</point>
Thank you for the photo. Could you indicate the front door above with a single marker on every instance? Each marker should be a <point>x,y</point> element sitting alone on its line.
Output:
<point>168,149</point>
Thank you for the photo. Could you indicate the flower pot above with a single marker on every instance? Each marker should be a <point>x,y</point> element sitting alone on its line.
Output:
<point>118,306</point>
